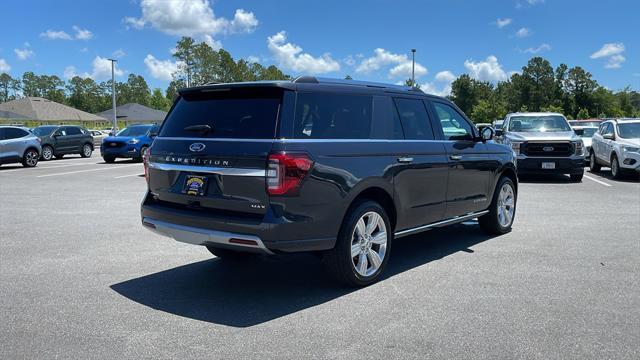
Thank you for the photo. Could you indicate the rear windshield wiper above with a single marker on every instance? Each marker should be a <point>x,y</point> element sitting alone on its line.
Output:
<point>204,129</point>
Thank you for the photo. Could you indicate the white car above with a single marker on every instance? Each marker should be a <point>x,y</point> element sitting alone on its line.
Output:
<point>586,133</point>
<point>616,144</point>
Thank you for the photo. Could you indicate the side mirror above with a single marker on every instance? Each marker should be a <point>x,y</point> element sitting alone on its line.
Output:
<point>608,136</point>
<point>579,132</point>
<point>487,134</point>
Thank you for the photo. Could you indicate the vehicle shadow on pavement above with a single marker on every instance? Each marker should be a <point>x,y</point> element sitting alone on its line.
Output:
<point>545,179</point>
<point>251,293</point>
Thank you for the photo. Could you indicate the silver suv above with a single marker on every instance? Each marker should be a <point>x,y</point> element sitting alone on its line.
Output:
<point>616,144</point>
<point>18,145</point>
<point>544,143</point>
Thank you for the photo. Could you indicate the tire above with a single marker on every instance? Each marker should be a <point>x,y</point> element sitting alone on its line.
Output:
<point>616,172</point>
<point>109,158</point>
<point>493,223</point>
<point>47,153</point>
<point>141,157</point>
<point>593,163</point>
<point>30,158</point>
<point>87,151</point>
<point>230,255</point>
<point>59,156</point>
<point>576,177</point>
<point>360,260</point>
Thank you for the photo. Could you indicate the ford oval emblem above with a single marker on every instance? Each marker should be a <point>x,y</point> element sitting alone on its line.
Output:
<point>197,147</point>
<point>547,148</point>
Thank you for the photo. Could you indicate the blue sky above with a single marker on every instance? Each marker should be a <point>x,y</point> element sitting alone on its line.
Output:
<point>370,40</point>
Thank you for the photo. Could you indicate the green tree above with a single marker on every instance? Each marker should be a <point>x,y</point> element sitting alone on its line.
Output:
<point>538,77</point>
<point>159,101</point>
<point>582,114</point>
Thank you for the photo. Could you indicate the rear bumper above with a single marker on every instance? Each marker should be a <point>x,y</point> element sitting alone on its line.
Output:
<point>270,233</point>
<point>530,165</point>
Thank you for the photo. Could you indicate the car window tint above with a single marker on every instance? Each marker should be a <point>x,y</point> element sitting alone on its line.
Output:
<point>14,133</point>
<point>386,122</point>
<point>454,125</point>
<point>332,116</point>
<point>1,133</point>
<point>414,119</point>
<point>73,131</point>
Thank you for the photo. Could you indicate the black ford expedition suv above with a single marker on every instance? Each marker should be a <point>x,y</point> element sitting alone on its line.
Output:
<point>341,168</point>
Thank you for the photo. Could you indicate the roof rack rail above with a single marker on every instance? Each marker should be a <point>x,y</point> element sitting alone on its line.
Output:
<point>305,79</point>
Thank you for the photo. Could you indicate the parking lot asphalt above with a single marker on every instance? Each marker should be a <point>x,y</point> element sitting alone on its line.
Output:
<point>81,278</point>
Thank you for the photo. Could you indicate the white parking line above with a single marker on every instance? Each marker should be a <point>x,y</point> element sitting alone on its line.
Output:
<point>82,171</point>
<point>124,176</point>
<point>598,181</point>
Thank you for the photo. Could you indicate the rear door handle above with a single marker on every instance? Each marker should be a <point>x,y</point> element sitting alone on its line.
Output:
<point>455,157</point>
<point>405,159</point>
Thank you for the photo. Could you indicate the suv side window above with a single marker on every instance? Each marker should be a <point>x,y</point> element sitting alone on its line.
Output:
<point>60,132</point>
<point>13,133</point>
<point>454,125</point>
<point>332,116</point>
<point>414,119</point>
<point>608,129</point>
<point>386,123</point>
<point>71,130</point>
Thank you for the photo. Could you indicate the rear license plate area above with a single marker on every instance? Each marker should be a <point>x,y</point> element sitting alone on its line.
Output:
<point>548,165</point>
<point>195,185</point>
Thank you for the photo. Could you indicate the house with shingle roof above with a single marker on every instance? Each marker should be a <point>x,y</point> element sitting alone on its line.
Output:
<point>41,109</point>
<point>135,113</point>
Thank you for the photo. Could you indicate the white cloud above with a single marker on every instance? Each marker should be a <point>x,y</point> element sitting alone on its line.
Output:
<point>500,23</point>
<point>253,59</point>
<point>404,70</point>
<point>69,72</point>
<point>608,49</point>
<point>380,58</point>
<point>102,69</point>
<point>243,22</point>
<point>383,58</point>
<point>442,84</point>
<point>613,51</point>
<point>24,53</point>
<point>349,60</point>
<point>535,50</point>
<point>133,22</point>
<point>615,62</point>
<point>488,70</point>
<point>82,34</point>
<point>161,69</point>
<point>4,67</point>
<point>191,18</point>
<point>523,32</point>
<point>535,2</point>
<point>118,54</point>
<point>56,35</point>
<point>215,44</point>
<point>290,56</point>
<point>445,76</point>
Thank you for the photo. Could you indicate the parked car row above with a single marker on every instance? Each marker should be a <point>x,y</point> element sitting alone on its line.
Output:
<point>28,146</point>
<point>616,144</point>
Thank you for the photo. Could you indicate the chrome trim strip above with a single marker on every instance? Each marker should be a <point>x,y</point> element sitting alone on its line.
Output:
<point>454,220</point>
<point>200,236</point>
<point>208,169</point>
<point>286,140</point>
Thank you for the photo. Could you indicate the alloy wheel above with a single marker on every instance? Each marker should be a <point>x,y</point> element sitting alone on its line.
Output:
<point>86,149</point>
<point>369,243</point>
<point>31,158</point>
<point>506,205</point>
<point>47,153</point>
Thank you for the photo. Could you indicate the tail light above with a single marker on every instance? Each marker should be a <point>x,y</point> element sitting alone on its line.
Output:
<point>145,162</point>
<point>285,172</point>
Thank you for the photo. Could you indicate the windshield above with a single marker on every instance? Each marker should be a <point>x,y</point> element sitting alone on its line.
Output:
<point>43,130</point>
<point>547,123</point>
<point>588,132</point>
<point>134,131</point>
<point>629,130</point>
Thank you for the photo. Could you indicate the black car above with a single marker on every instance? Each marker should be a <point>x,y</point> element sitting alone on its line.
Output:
<point>60,140</point>
<point>339,168</point>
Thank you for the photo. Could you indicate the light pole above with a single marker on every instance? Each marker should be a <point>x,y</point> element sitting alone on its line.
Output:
<point>413,67</point>
<point>113,94</point>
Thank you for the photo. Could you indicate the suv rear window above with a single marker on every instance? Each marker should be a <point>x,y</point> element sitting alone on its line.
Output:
<point>332,116</point>
<point>230,113</point>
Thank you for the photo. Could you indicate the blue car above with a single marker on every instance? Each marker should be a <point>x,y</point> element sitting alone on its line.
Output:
<point>130,143</point>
